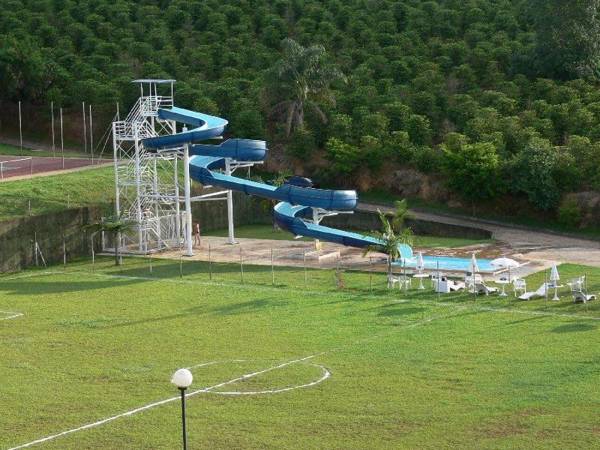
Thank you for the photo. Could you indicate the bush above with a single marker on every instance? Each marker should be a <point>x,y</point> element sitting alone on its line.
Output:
<point>569,213</point>
<point>302,144</point>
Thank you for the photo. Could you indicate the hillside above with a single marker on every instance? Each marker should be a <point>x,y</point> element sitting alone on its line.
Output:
<point>474,93</point>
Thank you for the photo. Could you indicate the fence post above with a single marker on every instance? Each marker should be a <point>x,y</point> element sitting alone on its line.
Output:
<point>180,266</point>
<point>30,167</point>
<point>370,273</point>
<point>64,252</point>
<point>84,128</point>
<point>405,279</point>
<point>150,257</point>
<point>35,248</point>
<point>209,264</point>
<point>272,269</point>
<point>52,120</point>
<point>241,265</point>
<point>20,130</point>
<point>304,264</point>
<point>62,138</point>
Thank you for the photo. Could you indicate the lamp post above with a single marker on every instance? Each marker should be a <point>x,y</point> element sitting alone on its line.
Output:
<point>182,379</point>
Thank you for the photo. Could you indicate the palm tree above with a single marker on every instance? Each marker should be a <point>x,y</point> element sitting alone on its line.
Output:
<point>401,213</point>
<point>116,227</point>
<point>306,77</point>
<point>390,239</point>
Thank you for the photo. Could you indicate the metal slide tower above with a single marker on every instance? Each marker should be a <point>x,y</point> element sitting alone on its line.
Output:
<point>153,189</point>
<point>147,183</point>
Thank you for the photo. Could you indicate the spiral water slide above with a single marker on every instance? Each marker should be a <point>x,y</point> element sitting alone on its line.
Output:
<point>298,205</point>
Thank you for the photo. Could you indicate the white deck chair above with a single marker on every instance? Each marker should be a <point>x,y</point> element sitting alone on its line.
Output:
<point>482,288</point>
<point>541,292</point>
<point>578,290</point>
<point>399,280</point>
<point>519,286</point>
<point>456,285</point>
<point>581,297</point>
<point>394,280</point>
<point>471,279</point>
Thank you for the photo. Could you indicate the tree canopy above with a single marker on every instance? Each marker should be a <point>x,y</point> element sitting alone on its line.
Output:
<point>516,79</point>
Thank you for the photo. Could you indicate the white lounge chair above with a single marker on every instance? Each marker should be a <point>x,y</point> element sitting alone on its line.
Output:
<point>577,284</point>
<point>445,286</point>
<point>482,288</point>
<point>541,292</point>
<point>519,286</point>
<point>399,280</point>
<point>581,297</point>
<point>471,279</point>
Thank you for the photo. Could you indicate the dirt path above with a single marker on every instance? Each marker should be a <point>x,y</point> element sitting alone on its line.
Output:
<point>526,244</point>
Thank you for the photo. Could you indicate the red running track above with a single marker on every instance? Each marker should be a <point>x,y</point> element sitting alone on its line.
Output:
<point>38,165</point>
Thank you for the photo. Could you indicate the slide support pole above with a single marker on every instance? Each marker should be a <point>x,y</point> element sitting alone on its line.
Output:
<point>189,251</point>
<point>231,237</point>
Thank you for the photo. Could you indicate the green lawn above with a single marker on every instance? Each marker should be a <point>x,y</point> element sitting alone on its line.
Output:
<point>267,232</point>
<point>408,370</point>
<point>56,192</point>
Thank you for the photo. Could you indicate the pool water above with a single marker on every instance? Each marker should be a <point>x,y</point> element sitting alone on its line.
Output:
<point>449,263</point>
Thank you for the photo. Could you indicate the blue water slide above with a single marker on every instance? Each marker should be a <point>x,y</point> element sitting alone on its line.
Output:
<point>295,210</point>
<point>292,218</point>
<point>205,127</point>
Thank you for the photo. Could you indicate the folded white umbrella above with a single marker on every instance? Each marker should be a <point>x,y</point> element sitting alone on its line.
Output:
<point>474,267</point>
<point>420,262</point>
<point>554,276</point>
<point>505,263</point>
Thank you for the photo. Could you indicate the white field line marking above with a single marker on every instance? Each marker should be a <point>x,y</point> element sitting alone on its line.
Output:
<point>162,402</point>
<point>216,386</point>
<point>28,275</point>
<point>333,293</point>
<point>325,374</point>
<point>11,315</point>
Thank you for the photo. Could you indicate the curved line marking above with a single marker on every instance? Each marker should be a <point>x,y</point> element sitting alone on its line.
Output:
<point>325,374</point>
<point>165,401</point>
<point>13,315</point>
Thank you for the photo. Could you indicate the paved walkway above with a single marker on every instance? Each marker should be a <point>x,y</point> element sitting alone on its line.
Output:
<point>524,244</point>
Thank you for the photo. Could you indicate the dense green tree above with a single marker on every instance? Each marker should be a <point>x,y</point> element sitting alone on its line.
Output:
<point>568,37</point>
<point>533,173</point>
<point>472,169</point>
<point>423,77</point>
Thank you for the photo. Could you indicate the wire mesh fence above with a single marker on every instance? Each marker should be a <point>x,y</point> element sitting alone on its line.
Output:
<point>298,267</point>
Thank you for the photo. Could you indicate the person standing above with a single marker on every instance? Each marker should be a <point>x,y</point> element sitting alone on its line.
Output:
<point>197,240</point>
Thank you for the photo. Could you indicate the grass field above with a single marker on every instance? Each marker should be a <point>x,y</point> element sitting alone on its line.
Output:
<point>267,232</point>
<point>408,370</point>
<point>48,194</point>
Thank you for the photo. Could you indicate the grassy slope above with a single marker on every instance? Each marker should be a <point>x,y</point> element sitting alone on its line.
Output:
<point>386,198</point>
<point>56,192</point>
<point>409,371</point>
<point>267,232</point>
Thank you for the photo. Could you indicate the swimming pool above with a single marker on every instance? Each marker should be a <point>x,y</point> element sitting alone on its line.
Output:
<point>448,263</point>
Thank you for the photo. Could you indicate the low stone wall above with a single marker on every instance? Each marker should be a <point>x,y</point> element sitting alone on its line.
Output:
<point>368,221</point>
<point>17,238</point>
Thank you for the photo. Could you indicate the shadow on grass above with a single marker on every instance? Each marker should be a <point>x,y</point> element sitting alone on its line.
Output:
<point>31,286</point>
<point>574,328</point>
<point>247,307</point>
<point>397,310</point>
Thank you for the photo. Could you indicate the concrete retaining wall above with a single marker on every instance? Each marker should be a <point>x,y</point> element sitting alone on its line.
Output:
<point>368,221</point>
